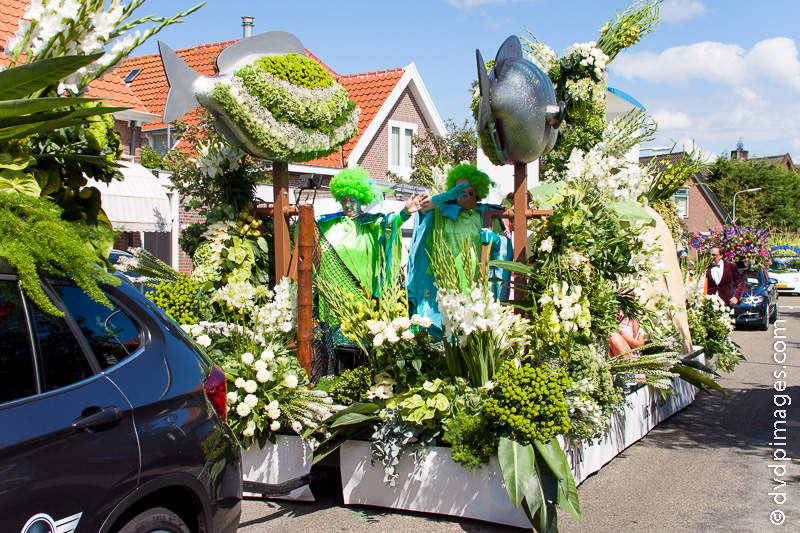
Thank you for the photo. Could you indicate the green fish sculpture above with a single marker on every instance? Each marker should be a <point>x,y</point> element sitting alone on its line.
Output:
<point>269,98</point>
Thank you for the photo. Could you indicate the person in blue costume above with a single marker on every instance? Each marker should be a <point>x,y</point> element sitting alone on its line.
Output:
<point>457,214</point>
<point>365,242</point>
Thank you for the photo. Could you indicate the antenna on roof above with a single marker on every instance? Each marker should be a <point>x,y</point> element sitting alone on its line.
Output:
<point>247,26</point>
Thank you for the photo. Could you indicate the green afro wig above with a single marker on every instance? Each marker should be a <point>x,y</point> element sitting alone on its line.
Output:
<point>480,181</point>
<point>355,182</point>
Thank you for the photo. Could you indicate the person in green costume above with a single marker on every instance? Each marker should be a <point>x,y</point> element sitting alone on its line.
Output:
<point>457,214</point>
<point>365,242</point>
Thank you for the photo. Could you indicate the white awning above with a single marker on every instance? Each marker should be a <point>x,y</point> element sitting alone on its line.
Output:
<point>138,203</point>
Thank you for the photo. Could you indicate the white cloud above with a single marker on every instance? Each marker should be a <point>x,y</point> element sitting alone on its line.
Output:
<point>777,59</point>
<point>708,60</point>
<point>673,11</point>
<point>671,120</point>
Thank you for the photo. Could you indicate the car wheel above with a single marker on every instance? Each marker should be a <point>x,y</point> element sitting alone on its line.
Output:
<point>764,326</point>
<point>155,520</point>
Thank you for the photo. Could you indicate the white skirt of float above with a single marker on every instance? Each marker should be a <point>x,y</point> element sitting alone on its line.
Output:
<point>288,458</point>
<point>440,485</point>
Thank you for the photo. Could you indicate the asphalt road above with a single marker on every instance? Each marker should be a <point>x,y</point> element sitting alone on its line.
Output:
<point>706,469</point>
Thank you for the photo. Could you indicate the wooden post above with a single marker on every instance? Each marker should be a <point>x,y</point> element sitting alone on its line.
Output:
<point>305,250</point>
<point>280,187</point>
<point>520,208</point>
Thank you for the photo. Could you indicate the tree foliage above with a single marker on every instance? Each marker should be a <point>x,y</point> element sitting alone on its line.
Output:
<point>432,151</point>
<point>776,205</point>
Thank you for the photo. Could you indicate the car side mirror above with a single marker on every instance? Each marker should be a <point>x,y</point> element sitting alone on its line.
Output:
<point>773,281</point>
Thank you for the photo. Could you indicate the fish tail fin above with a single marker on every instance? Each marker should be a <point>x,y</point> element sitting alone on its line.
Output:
<point>181,78</point>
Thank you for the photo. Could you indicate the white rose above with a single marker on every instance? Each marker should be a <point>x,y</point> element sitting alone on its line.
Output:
<point>247,358</point>
<point>407,335</point>
<point>204,341</point>
<point>250,386</point>
<point>425,322</point>
<point>275,426</point>
<point>187,328</point>
<point>264,375</point>
<point>251,400</point>
<point>243,409</point>
<point>391,334</point>
<point>377,340</point>
<point>290,381</point>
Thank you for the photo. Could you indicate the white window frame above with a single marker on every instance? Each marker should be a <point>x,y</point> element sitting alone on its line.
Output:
<point>682,193</point>
<point>400,170</point>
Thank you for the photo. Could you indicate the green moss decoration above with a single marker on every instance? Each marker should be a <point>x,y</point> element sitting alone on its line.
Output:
<point>472,439</point>
<point>296,69</point>
<point>34,239</point>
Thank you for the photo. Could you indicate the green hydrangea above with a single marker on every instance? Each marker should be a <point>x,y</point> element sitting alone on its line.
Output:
<point>529,401</point>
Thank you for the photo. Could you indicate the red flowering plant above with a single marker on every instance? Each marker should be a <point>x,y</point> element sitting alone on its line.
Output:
<point>748,246</point>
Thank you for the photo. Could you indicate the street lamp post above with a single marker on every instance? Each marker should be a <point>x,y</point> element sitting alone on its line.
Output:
<point>734,201</point>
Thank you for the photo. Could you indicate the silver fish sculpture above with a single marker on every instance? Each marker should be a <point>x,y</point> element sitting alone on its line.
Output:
<point>312,121</point>
<point>518,104</point>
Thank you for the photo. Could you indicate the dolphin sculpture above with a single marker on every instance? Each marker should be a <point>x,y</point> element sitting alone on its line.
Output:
<point>518,104</point>
<point>245,110</point>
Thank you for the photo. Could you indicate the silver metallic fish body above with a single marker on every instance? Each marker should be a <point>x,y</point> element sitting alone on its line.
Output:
<point>518,104</point>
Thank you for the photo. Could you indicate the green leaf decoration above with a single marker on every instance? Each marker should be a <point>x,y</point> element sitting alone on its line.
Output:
<point>420,414</point>
<point>48,176</point>
<point>556,461</point>
<point>9,122</point>
<point>516,463</point>
<point>16,162</point>
<point>439,402</point>
<point>19,182</point>
<point>25,80</point>
<point>698,366</point>
<point>414,402</point>
<point>351,419</point>
<point>698,379</point>
<point>15,108</point>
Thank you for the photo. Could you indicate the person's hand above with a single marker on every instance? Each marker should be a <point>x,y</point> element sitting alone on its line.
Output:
<point>489,237</point>
<point>452,194</point>
<point>415,202</point>
<point>734,300</point>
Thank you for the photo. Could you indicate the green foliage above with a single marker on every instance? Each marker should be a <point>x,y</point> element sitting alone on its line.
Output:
<point>473,439</point>
<point>668,177</point>
<point>34,238</point>
<point>438,152</point>
<point>151,159</point>
<point>777,205</point>
<point>296,69</point>
<point>181,300</point>
<point>352,386</point>
<point>529,401</point>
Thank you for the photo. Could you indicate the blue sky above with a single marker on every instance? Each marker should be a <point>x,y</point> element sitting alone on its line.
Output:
<point>713,72</point>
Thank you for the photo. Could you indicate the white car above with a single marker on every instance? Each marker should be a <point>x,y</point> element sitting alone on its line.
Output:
<point>788,280</point>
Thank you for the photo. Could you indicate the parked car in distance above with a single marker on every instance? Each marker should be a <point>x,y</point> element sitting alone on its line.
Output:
<point>759,303</point>
<point>112,419</point>
<point>788,280</point>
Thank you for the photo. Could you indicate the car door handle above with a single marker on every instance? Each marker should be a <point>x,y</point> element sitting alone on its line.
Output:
<point>96,418</point>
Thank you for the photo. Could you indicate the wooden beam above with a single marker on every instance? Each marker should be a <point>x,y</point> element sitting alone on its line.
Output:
<point>520,220</point>
<point>305,251</point>
<point>283,245</point>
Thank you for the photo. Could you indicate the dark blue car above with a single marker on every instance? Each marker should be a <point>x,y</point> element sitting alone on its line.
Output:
<point>759,303</point>
<point>112,420</point>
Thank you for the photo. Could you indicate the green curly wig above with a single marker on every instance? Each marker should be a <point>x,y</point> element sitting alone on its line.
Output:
<point>355,182</point>
<point>480,181</point>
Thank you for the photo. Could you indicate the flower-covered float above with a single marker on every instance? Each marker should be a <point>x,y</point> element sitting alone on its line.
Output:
<point>524,394</point>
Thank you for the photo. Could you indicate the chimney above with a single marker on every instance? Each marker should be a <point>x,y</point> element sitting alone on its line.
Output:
<point>740,154</point>
<point>247,26</point>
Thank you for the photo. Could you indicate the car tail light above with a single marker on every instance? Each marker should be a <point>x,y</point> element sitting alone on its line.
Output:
<point>216,391</point>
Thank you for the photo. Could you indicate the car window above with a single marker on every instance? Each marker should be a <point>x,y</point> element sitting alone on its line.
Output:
<point>754,278</point>
<point>111,333</point>
<point>62,360</point>
<point>17,370</point>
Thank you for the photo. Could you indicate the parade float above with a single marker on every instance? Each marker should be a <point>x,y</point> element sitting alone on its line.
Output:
<point>517,401</point>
